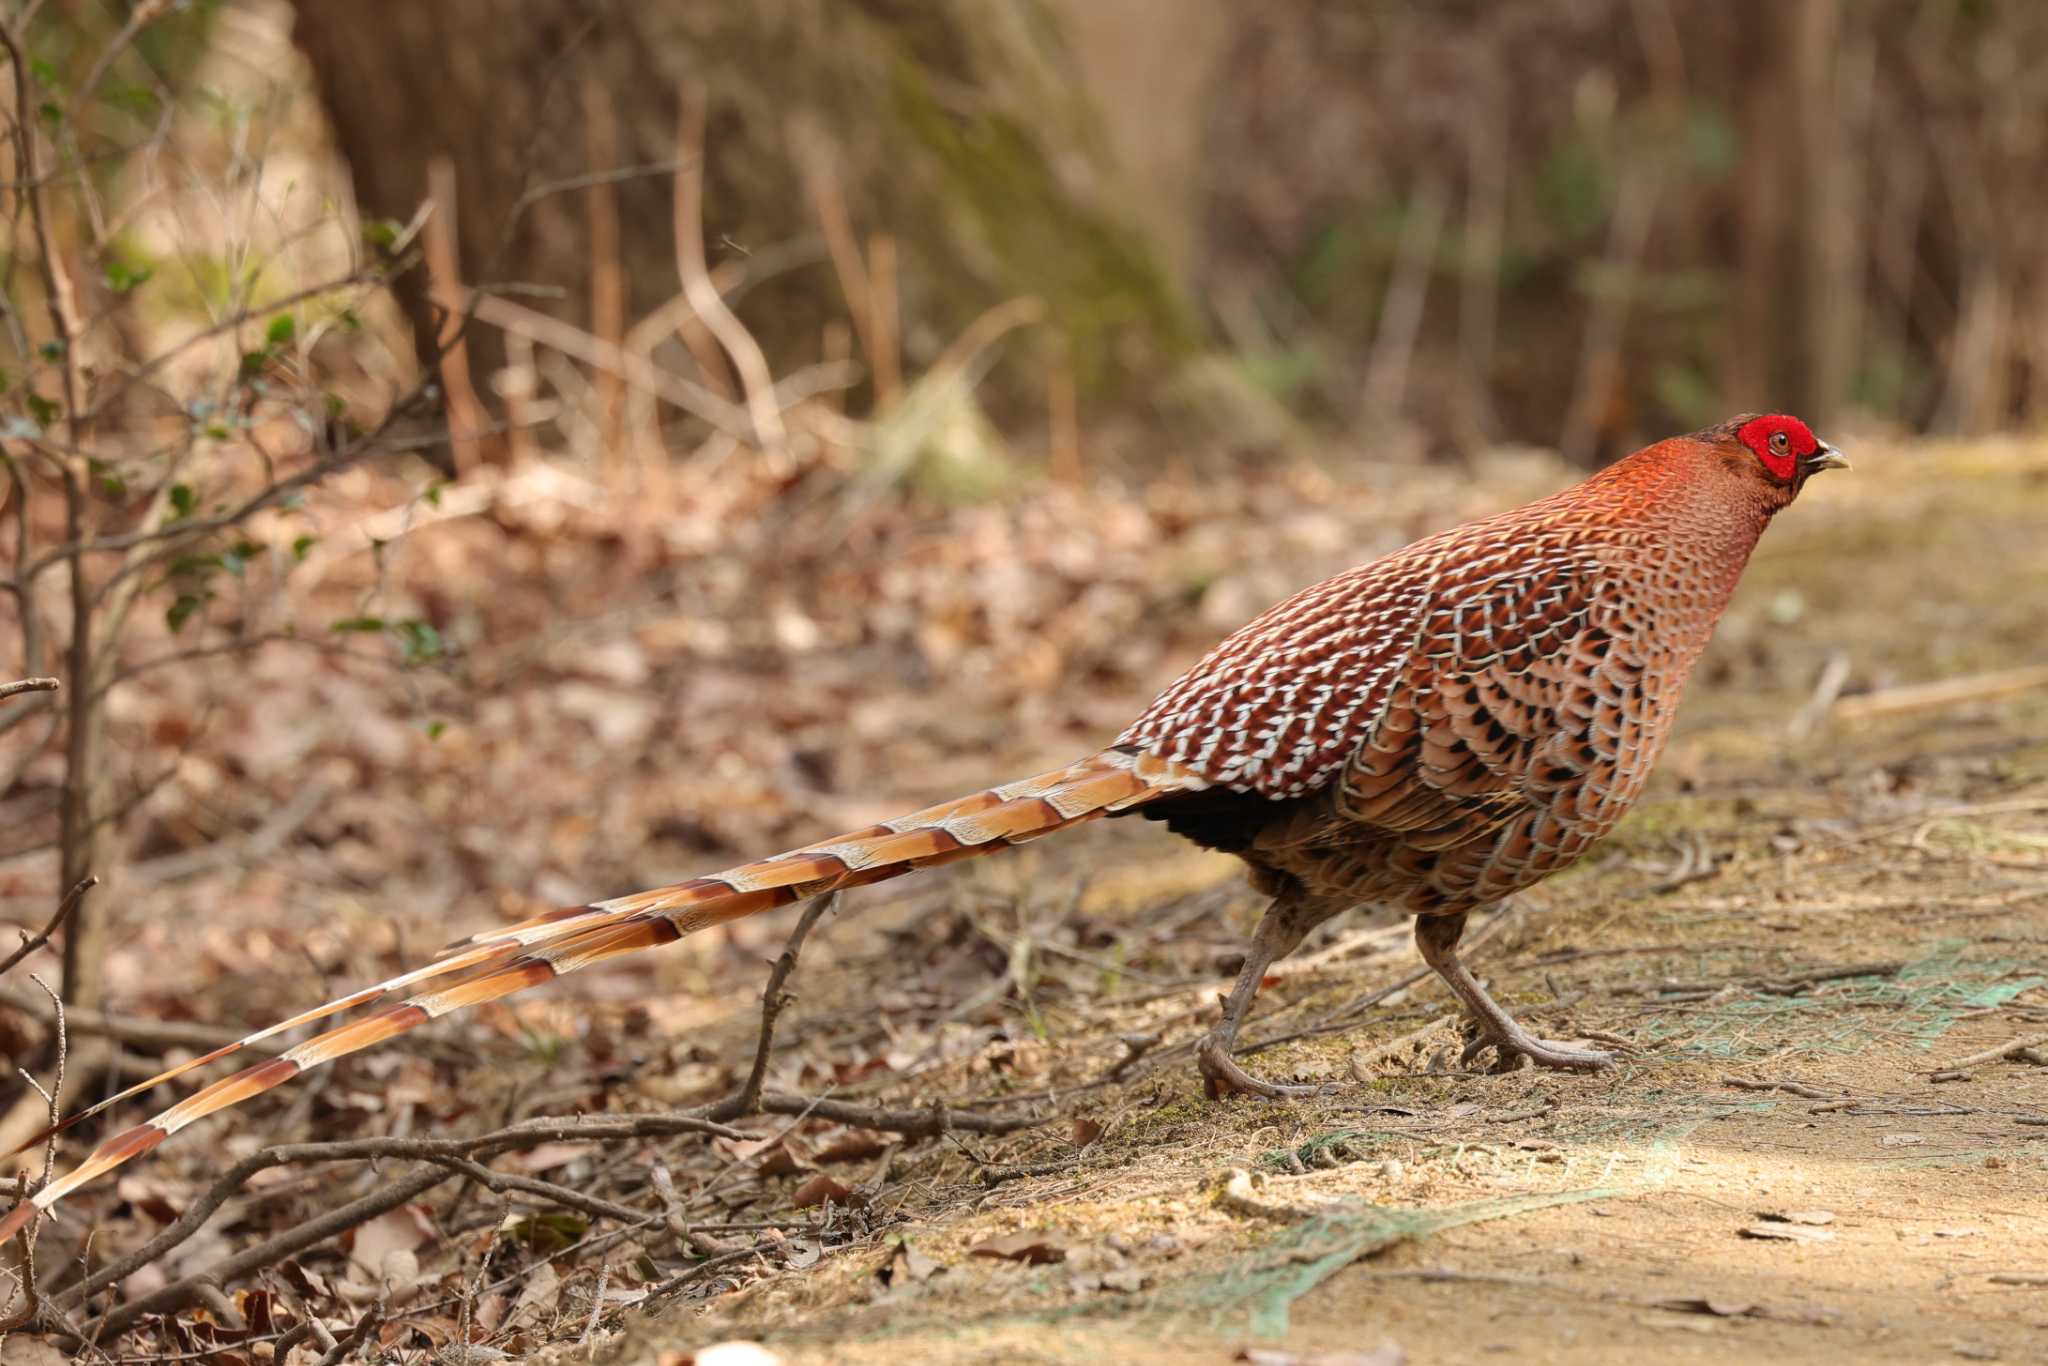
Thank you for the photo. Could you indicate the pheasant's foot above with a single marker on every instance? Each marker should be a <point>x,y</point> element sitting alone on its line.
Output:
<point>1518,1044</point>
<point>1222,1075</point>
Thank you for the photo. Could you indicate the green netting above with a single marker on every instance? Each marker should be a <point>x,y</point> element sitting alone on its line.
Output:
<point>1917,1004</point>
<point>1260,1291</point>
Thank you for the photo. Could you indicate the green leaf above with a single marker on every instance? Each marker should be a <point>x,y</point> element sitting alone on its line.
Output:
<point>201,565</point>
<point>281,331</point>
<point>43,70</point>
<point>183,501</point>
<point>51,351</point>
<point>237,556</point>
<point>302,544</point>
<point>181,611</point>
<point>436,729</point>
<point>419,643</point>
<point>43,410</point>
<point>139,101</point>
<point>432,492</point>
<point>123,278</point>
<point>382,232</point>
<point>359,624</point>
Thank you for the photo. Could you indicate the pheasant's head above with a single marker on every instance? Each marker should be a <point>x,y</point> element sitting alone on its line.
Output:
<point>1775,453</point>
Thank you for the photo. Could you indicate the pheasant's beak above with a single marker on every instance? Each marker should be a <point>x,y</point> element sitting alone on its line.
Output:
<point>1826,457</point>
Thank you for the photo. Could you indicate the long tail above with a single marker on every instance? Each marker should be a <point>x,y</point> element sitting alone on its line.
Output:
<point>503,961</point>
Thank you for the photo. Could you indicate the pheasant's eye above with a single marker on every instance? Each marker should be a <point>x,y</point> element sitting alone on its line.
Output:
<point>1780,443</point>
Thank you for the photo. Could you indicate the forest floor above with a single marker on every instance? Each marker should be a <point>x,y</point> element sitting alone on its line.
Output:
<point>1814,940</point>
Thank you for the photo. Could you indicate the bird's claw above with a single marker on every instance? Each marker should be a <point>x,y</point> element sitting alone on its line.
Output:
<point>1523,1050</point>
<point>1223,1076</point>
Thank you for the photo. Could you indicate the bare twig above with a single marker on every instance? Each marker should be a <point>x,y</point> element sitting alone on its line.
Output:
<point>23,685</point>
<point>1947,692</point>
<point>446,1158</point>
<point>31,1292</point>
<point>755,377</point>
<point>1993,1054</point>
<point>31,942</point>
<point>130,1029</point>
<point>444,287</point>
<point>358,1336</point>
<point>1790,1088</point>
<point>927,1123</point>
<point>748,1099</point>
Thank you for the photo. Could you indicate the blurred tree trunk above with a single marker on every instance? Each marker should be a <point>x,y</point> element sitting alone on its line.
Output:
<point>953,127</point>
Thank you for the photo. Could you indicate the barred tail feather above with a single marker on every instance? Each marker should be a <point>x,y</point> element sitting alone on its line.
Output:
<point>505,961</point>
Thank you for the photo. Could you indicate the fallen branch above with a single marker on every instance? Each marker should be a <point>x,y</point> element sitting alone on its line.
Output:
<point>130,1030</point>
<point>1790,1088</point>
<point>927,1123</point>
<point>2005,1050</point>
<point>1945,692</point>
<point>180,1293</point>
<point>447,1157</point>
<point>358,1336</point>
<point>747,1101</point>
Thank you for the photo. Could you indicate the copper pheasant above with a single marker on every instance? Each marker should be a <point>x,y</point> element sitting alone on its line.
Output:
<point>1429,732</point>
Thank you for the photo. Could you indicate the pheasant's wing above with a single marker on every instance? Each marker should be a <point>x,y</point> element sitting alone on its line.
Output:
<point>1483,716</point>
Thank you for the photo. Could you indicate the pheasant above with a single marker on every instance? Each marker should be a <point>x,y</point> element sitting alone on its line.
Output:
<point>1429,732</point>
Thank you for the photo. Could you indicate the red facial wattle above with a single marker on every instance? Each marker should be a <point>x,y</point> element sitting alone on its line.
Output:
<point>1783,459</point>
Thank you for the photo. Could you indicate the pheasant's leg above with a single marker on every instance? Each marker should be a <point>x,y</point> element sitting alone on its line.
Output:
<point>1437,937</point>
<point>1282,928</point>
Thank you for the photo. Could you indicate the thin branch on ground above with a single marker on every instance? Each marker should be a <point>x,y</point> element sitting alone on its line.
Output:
<point>359,1336</point>
<point>132,1029</point>
<point>926,1123</point>
<point>450,1156</point>
<point>2005,1050</point>
<point>747,1101</point>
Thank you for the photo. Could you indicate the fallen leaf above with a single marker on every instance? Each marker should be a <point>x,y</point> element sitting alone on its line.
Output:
<point>1959,1233</point>
<point>819,1189</point>
<point>1789,1233</point>
<point>851,1145</point>
<point>1032,1249</point>
<point>1125,1280</point>
<point>400,1230</point>
<point>908,1263</point>
<point>776,1155</point>
<point>1902,1140</point>
<point>545,1156</point>
<point>1084,1131</point>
